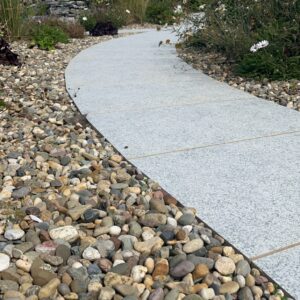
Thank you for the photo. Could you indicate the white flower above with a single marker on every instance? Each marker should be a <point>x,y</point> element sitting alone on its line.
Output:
<point>201,7</point>
<point>178,9</point>
<point>259,45</point>
<point>84,18</point>
<point>128,11</point>
<point>221,8</point>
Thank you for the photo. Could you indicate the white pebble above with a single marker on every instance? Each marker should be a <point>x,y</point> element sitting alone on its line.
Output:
<point>77,265</point>
<point>172,222</point>
<point>115,230</point>
<point>4,261</point>
<point>14,234</point>
<point>138,273</point>
<point>187,228</point>
<point>91,254</point>
<point>118,261</point>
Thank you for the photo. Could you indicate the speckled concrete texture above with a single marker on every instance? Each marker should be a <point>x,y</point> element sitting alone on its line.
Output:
<point>160,130</point>
<point>234,157</point>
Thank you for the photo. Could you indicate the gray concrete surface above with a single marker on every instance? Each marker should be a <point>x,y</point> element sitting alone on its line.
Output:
<point>234,157</point>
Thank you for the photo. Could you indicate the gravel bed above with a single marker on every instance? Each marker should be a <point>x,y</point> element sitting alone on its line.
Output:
<point>286,93</point>
<point>77,221</point>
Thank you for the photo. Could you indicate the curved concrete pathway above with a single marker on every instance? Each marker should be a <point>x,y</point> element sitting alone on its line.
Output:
<point>234,157</point>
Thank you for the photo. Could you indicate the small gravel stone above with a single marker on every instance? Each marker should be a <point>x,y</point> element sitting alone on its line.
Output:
<point>66,233</point>
<point>63,289</point>
<point>13,295</point>
<point>115,230</point>
<point>107,293</point>
<point>225,265</point>
<point>91,254</point>
<point>14,234</point>
<point>230,287</point>
<point>193,246</point>
<point>245,294</point>
<point>4,261</point>
<point>243,268</point>
<point>182,269</point>
<point>21,192</point>
<point>186,219</point>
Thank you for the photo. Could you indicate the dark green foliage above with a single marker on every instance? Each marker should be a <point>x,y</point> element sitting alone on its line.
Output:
<point>236,25</point>
<point>88,22</point>
<point>160,12</point>
<point>46,37</point>
<point>2,104</point>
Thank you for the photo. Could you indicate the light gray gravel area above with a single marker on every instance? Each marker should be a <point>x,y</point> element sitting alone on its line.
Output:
<point>232,156</point>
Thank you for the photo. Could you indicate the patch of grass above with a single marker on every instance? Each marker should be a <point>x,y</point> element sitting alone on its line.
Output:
<point>11,13</point>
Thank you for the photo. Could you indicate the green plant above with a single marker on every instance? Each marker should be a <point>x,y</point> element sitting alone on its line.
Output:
<point>233,27</point>
<point>72,29</point>
<point>11,13</point>
<point>2,104</point>
<point>88,21</point>
<point>136,9</point>
<point>160,11</point>
<point>46,37</point>
<point>114,13</point>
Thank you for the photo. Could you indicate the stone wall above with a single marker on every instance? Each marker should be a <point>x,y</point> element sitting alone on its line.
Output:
<point>62,8</point>
<point>66,8</point>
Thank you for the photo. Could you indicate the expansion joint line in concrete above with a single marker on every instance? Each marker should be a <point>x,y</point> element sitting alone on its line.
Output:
<point>213,145</point>
<point>275,251</point>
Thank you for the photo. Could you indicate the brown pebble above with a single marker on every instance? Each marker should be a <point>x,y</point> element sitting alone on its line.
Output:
<point>170,200</point>
<point>161,269</point>
<point>181,235</point>
<point>201,270</point>
<point>66,278</point>
<point>198,287</point>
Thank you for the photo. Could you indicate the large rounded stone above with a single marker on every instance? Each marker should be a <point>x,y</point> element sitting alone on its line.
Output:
<point>183,268</point>
<point>225,265</point>
<point>66,233</point>
<point>230,287</point>
<point>4,261</point>
<point>243,268</point>
<point>193,246</point>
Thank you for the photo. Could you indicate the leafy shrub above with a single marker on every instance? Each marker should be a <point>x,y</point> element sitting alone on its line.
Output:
<point>72,29</point>
<point>46,37</point>
<point>115,14</point>
<point>88,21</point>
<point>233,26</point>
<point>193,5</point>
<point>104,12</point>
<point>160,11</point>
<point>136,10</point>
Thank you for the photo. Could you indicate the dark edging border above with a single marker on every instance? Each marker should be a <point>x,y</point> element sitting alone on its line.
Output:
<point>86,122</point>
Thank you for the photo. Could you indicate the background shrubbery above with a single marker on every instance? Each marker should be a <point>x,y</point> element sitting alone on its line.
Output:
<point>16,18</point>
<point>233,26</point>
<point>160,12</point>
